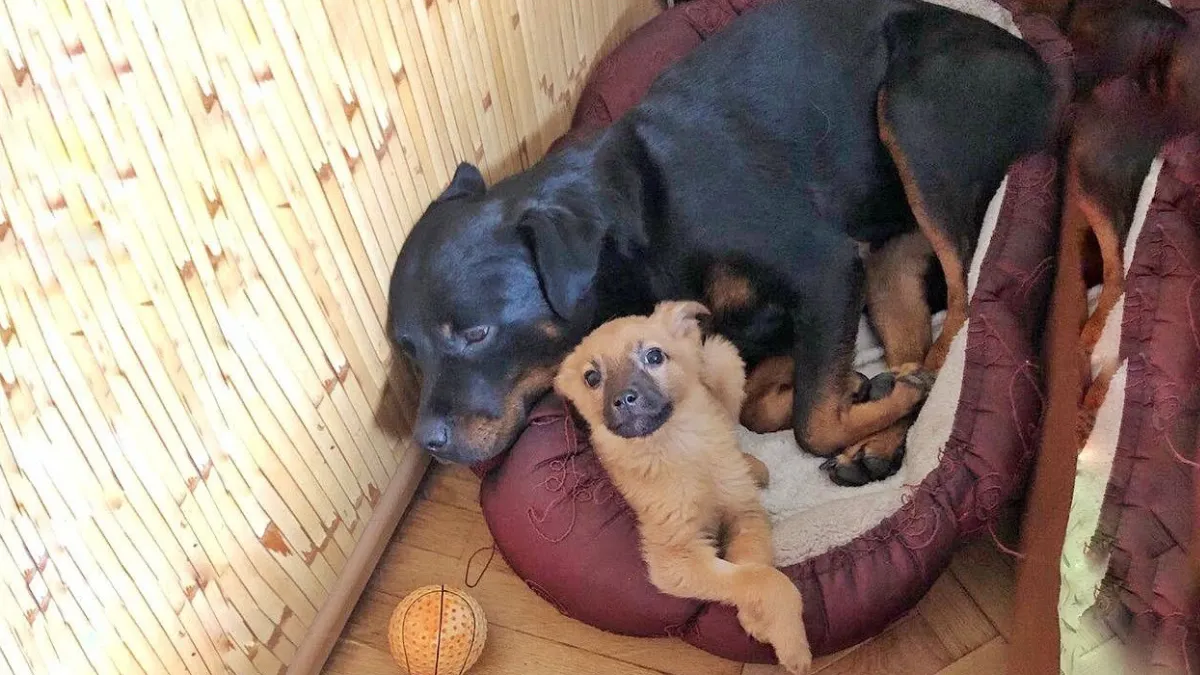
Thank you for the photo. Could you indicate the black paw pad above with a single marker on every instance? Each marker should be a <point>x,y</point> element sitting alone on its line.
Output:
<point>850,474</point>
<point>881,385</point>
<point>863,468</point>
<point>879,467</point>
<point>922,380</point>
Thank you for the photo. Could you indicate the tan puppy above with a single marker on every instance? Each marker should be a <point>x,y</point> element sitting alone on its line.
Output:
<point>663,404</point>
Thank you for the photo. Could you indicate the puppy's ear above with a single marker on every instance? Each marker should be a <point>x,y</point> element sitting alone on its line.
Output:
<point>683,318</point>
<point>566,254</point>
<point>467,182</point>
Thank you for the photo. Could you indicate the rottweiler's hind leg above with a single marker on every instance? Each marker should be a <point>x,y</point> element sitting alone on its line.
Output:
<point>901,317</point>
<point>769,394</point>
<point>827,416</point>
<point>956,108</point>
<point>937,224</point>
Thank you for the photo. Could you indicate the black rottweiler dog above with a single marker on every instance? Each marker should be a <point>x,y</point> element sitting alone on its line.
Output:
<point>811,157</point>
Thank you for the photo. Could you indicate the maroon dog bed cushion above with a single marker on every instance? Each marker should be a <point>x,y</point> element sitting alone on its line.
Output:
<point>860,556</point>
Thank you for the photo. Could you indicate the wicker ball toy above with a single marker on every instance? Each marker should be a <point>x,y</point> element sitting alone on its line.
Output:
<point>437,630</point>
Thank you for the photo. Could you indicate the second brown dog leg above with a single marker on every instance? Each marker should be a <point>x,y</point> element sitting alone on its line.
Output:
<point>936,227</point>
<point>840,417</point>
<point>1098,222</point>
<point>835,421</point>
<point>901,317</point>
<point>769,395</point>
<point>896,302</point>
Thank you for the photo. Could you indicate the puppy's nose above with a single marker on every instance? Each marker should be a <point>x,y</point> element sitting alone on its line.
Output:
<point>626,398</point>
<point>433,434</point>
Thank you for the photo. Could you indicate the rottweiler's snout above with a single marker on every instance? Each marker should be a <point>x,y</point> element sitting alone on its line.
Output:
<point>433,434</point>
<point>436,435</point>
<point>638,409</point>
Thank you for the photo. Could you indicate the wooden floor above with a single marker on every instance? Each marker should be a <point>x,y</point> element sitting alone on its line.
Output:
<point>959,628</point>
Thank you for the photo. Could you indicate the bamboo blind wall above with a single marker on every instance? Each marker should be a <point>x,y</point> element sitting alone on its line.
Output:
<point>200,202</point>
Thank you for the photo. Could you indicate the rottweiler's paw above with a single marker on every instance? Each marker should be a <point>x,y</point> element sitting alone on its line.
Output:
<point>879,468</point>
<point>915,376</point>
<point>796,660</point>
<point>910,375</point>
<point>876,457</point>
<point>860,388</point>
<point>880,386</point>
<point>847,469</point>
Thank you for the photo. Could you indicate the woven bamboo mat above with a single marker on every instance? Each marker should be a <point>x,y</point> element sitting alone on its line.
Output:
<point>200,202</point>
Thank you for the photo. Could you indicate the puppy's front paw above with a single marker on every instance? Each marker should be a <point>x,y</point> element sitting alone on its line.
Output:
<point>796,658</point>
<point>754,621</point>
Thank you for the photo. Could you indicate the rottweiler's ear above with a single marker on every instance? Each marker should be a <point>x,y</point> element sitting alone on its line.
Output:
<point>683,318</point>
<point>566,253</point>
<point>467,182</point>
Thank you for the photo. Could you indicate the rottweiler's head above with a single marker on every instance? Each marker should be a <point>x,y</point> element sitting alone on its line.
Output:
<point>491,288</point>
<point>629,375</point>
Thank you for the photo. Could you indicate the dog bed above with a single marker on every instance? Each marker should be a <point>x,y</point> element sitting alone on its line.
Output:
<point>860,556</point>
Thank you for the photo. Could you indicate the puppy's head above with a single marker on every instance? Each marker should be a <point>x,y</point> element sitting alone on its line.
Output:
<point>629,375</point>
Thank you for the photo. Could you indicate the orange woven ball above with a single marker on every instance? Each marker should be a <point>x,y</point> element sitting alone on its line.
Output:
<point>437,630</point>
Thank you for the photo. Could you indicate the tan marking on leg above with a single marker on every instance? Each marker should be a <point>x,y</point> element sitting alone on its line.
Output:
<point>880,445</point>
<point>768,405</point>
<point>834,423</point>
<point>1093,398</point>
<point>1095,219</point>
<point>896,298</point>
<point>943,248</point>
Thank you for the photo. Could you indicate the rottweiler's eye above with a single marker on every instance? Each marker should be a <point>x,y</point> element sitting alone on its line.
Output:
<point>592,378</point>
<point>654,356</point>
<point>406,345</point>
<point>475,335</point>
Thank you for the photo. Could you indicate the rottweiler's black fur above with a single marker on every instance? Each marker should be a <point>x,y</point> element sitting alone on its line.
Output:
<point>750,177</point>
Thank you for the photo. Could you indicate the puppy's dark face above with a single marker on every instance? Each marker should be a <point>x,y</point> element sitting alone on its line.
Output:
<point>485,302</point>
<point>629,375</point>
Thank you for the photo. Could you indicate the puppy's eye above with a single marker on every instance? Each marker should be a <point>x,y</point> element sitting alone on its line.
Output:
<point>475,335</point>
<point>654,356</point>
<point>592,378</point>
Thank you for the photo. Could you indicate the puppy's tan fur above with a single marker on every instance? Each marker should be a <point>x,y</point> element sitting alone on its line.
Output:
<point>688,480</point>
